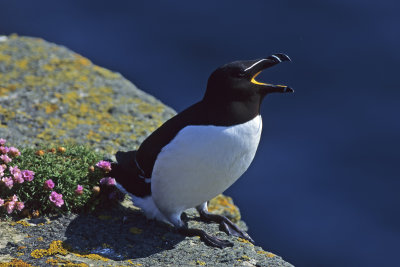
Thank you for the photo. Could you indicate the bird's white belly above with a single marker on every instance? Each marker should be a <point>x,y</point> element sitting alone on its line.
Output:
<point>202,162</point>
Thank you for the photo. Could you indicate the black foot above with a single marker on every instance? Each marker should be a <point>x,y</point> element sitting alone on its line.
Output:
<point>208,239</point>
<point>227,225</point>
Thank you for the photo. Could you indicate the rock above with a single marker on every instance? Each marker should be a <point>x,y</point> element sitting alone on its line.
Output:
<point>51,95</point>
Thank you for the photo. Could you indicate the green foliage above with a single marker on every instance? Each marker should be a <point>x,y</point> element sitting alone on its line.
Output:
<point>67,168</point>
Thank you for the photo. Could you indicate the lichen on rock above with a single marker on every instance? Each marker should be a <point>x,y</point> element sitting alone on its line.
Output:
<point>51,94</point>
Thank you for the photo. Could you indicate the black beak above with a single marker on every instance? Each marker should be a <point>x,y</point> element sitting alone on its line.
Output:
<point>255,67</point>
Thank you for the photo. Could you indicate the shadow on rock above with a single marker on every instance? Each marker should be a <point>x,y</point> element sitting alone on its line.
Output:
<point>119,235</point>
<point>120,232</point>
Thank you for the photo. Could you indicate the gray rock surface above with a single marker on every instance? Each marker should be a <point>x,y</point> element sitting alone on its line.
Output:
<point>50,94</point>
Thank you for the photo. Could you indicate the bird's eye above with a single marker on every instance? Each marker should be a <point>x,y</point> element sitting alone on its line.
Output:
<point>239,74</point>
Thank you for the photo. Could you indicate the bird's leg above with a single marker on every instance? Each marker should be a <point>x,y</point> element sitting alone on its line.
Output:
<point>227,225</point>
<point>206,238</point>
<point>182,228</point>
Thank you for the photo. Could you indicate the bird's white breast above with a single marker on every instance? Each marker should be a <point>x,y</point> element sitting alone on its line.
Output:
<point>202,162</point>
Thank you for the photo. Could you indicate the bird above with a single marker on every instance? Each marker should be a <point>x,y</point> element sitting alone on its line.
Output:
<point>200,152</point>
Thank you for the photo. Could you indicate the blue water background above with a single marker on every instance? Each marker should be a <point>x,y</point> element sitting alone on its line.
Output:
<point>324,187</point>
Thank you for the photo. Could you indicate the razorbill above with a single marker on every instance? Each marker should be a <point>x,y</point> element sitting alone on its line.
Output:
<point>201,151</point>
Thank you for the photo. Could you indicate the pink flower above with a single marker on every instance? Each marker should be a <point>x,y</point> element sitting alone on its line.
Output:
<point>10,207</point>
<point>4,149</point>
<point>108,181</point>
<point>14,170</point>
<point>20,205</point>
<point>56,199</point>
<point>8,181</point>
<point>105,165</point>
<point>14,198</point>
<point>1,202</point>
<point>48,184</point>
<point>79,190</point>
<point>13,151</point>
<point>5,158</point>
<point>17,174</point>
<point>111,181</point>
<point>28,175</point>
<point>2,169</point>
<point>18,178</point>
<point>2,141</point>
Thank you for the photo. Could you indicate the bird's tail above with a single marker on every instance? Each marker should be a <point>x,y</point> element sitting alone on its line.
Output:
<point>127,174</point>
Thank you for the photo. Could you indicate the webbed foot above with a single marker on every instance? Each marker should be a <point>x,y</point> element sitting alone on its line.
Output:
<point>227,225</point>
<point>206,238</point>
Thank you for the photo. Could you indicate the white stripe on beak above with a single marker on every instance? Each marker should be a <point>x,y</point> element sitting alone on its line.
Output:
<point>254,64</point>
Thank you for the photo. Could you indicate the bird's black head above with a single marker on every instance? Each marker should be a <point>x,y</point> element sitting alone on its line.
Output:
<point>236,81</point>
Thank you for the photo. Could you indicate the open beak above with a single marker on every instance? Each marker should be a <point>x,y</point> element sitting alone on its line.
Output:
<point>256,66</point>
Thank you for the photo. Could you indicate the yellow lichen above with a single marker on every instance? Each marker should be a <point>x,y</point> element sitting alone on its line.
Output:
<point>5,58</point>
<point>93,136</point>
<point>245,257</point>
<point>49,108</point>
<point>104,217</point>
<point>7,89</point>
<point>88,101</point>
<point>91,256</point>
<point>245,241</point>
<point>267,254</point>
<point>82,61</point>
<point>24,223</point>
<point>22,64</point>
<point>226,204</point>
<point>133,263</point>
<point>105,73</point>
<point>56,247</point>
<point>60,262</point>
<point>15,263</point>
<point>202,263</point>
